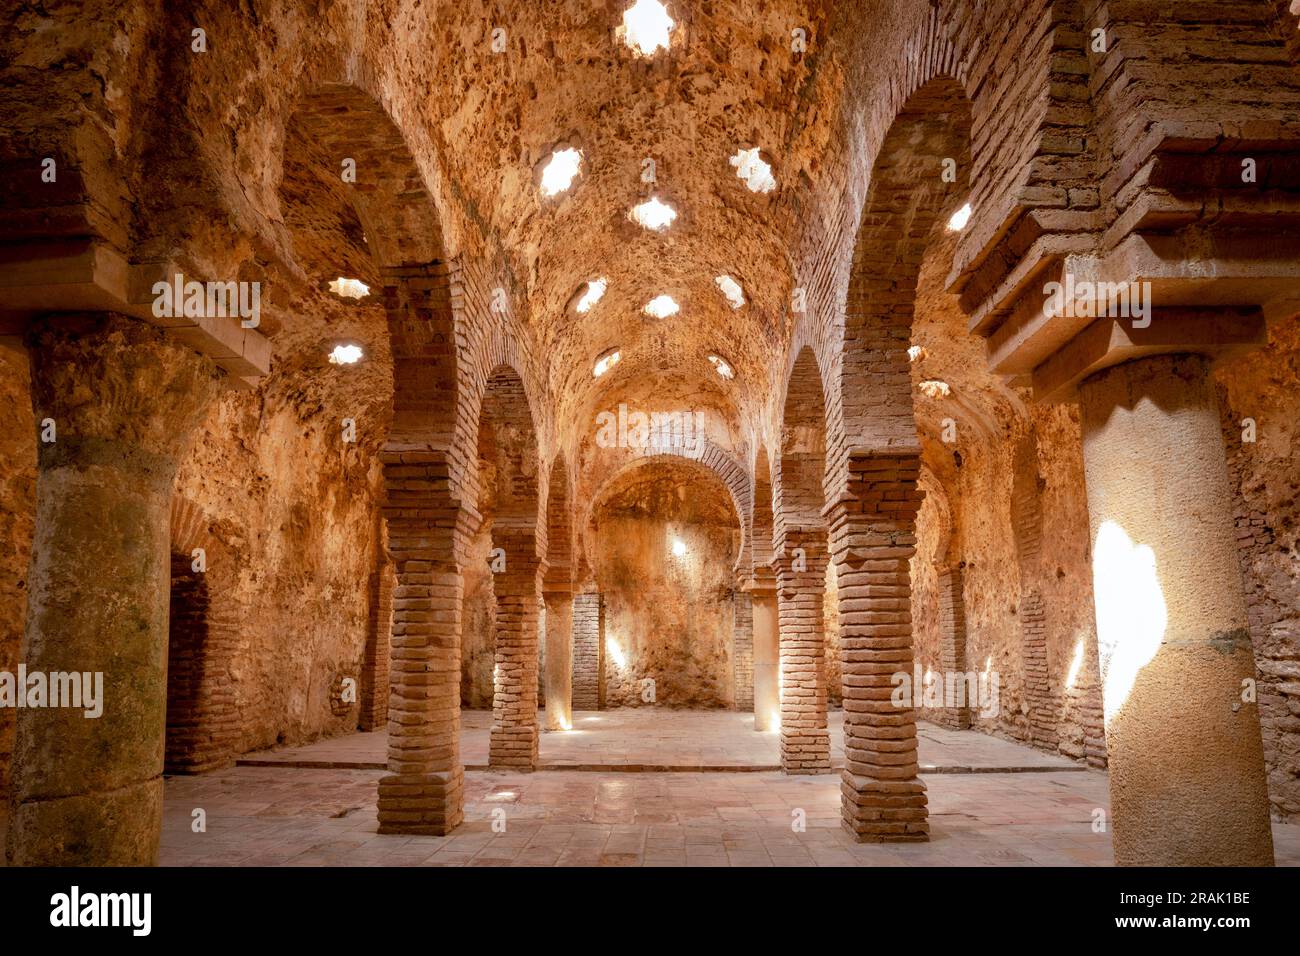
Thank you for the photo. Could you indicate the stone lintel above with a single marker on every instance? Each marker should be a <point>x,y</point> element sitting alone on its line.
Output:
<point>90,275</point>
<point>1217,333</point>
<point>1187,270</point>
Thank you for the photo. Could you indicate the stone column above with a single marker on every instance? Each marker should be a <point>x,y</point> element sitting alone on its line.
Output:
<point>125,402</point>
<point>801,586</point>
<point>513,742</point>
<point>1187,775</point>
<point>559,659</point>
<point>873,536</point>
<point>424,790</point>
<point>767,653</point>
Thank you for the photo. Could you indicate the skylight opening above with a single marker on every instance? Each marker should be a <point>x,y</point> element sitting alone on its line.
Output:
<point>960,218</point>
<point>935,389</point>
<point>732,290</point>
<point>916,353</point>
<point>346,355</point>
<point>349,288</point>
<point>722,367</point>
<point>646,27</point>
<point>754,171</point>
<point>662,306</point>
<point>592,294</point>
<point>654,214</point>
<point>606,362</point>
<point>561,171</point>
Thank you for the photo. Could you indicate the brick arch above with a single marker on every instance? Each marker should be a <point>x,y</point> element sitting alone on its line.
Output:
<point>905,199</point>
<point>404,235</point>
<point>202,724</point>
<point>725,466</point>
<point>799,465</point>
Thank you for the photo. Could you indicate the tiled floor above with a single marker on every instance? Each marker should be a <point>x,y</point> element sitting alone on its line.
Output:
<point>669,739</point>
<point>286,815</point>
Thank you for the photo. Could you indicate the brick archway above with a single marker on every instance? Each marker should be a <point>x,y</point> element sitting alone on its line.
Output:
<point>202,726</point>
<point>508,502</point>
<point>799,559</point>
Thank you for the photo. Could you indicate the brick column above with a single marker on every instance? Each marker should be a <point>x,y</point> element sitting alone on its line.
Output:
<point>514,700</point>
<point>952,641</point>
<point>801,586</point>
<point>588,652</point>
<point>1187,778</point>
<point>126,402</point>
<point>742,659</point>
<point>379,635</point>
<point>559,659</point>
<point>767,652</point>
<point>423,792</point>
<point>1033,643</point>
<point>873,537</point>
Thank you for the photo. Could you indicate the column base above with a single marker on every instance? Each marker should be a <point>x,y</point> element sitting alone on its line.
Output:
<point>425,804</point>
<point>808,751</point>
<point>884,811</point>
<point>515,748</point>
<point>113,828</point>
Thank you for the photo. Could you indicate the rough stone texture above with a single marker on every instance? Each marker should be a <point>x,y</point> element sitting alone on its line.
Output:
<point>668,617</point>
<point>1266,492</point>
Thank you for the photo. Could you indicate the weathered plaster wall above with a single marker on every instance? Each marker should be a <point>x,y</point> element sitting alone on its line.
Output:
<point>668,616</point>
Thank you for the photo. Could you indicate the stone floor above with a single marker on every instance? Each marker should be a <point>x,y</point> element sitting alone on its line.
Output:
<point>282,814</point>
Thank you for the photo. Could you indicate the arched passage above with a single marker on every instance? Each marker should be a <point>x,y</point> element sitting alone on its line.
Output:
<point>800,560</point>
<point>343,129</point>
<point>664,535</point>
<point>508,506</point>
<point>920,173</point>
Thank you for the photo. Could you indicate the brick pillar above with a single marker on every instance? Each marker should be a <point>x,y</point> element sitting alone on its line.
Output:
<point>125,401</point>
<point>514,700</point>
<point>1033,643</point>
<point>375,664</point>
<point>801,584</point>
<point>423,792</point>
<point>559,659</point>
<point>1187,780</point>
<point>742,659</point>
<point>952,643</point>
<point>873,537</point>
<point>588,652</point>
<point>767,652</point>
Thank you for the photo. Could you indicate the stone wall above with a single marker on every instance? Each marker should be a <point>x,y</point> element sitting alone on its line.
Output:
<point>668,617</point>
<point>1265,387</point>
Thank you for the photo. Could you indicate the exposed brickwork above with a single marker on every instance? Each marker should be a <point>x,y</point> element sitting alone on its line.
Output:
<point>588,651</point>
<point>375,664</point>
<point>743,650</point>
<point>952,641</point>
<point>873,539</point>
